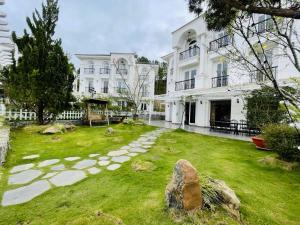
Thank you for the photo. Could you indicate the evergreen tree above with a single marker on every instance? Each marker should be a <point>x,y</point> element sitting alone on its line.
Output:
<point>42,79</point>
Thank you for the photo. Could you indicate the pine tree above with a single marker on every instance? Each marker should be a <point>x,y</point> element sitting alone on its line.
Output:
<point>42,79</point>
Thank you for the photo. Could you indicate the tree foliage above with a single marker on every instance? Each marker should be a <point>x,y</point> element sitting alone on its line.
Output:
<point>263,107</point>
<point>220,13</point>
<point>42,78</point>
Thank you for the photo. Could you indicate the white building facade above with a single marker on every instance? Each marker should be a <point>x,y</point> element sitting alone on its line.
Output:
<point>203,85</point>
<point>114,75</point>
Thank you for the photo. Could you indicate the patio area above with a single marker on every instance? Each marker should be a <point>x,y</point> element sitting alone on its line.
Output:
<point>200,130</point>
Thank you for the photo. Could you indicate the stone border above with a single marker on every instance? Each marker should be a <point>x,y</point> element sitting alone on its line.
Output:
<point>4,144</point>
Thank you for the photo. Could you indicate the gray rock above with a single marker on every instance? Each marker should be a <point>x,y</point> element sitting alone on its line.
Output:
<point>25,194</point>
<point>139,150</point>
<point>49,175</point>
<point>103,163</point>
<point>93,155</point>
<point>31,157</point>
<point>48,162</point>
<point>132,154</point>
<point>113,167</point>
<point>58,167</point>
<point>104,158</point>
<point>125,148</point>
<point>21,168</point>
<point>54,130</point>
<point>117,153</point>
<point>120,159</point>
<point>67,178</point>
<point>110,130</point>
<point>24,177</point>
<point>84,164</point>
<point>94,170</point>
<point>70,159</point>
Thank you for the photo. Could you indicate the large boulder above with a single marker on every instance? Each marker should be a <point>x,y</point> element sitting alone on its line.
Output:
<point>230,201</point>
<point>184,191</point>
<point>54,129</point>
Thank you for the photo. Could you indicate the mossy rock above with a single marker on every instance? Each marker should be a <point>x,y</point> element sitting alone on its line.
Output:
<point>141,166</point>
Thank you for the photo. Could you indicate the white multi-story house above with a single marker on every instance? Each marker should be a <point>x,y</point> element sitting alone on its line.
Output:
<point>114,75</point>
<point>202,85</point>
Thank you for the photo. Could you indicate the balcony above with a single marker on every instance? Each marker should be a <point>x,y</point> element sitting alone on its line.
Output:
<point>220,42</point>
<point>257,76</point>
<point>189,53</point>
<point>89,70</point>
<point>104,71</point>
<point>185,85</point>
<point>221,81</point>
<point>262,26</point>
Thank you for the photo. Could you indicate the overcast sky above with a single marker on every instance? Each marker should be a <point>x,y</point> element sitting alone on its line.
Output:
<point>103,26</point>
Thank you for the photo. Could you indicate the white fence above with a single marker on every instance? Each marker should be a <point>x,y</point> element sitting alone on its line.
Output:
<point>23,115</point>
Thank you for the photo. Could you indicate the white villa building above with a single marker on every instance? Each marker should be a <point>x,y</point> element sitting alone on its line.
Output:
<point>206,84</point>
<point>113,75</point>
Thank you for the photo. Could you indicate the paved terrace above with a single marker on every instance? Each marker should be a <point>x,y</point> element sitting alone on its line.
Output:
<point>200,130</point>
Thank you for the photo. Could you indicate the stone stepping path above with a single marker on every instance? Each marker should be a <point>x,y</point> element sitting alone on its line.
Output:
<point>54,173</point>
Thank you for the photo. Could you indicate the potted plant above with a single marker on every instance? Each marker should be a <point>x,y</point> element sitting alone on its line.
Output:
<point>260,142</point>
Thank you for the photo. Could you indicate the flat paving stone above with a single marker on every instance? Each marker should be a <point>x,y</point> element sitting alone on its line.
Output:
<point>71,159</point>
<point>103,163</point>
<point>21,168</point>
<point>58,167</point>
<point>120,159</point>
<point>148,143</point>
<point>24,177</point>
<point>125,147</point>
<point>132,154</point>
<point>104,158</point>
<point>93,155</point>
<point>25,194</point>
<point>31,157</point>
<point>139,150</point>
<point>48,162</point>
<point>117,153</point>
<point>113,167</point>
<point>49,175</point>
<point>84,164</point>
<point>146,146</point>
<point>68,177</point>
<point>94,170</point>
<point>135,145</point>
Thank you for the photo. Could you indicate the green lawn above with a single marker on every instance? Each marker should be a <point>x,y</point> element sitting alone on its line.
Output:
<point>268,195</point>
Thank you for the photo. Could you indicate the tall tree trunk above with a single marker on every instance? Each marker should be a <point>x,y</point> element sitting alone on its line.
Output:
<point>40,114</point>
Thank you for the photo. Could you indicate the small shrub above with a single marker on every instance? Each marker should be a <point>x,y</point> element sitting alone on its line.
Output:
<point>284,140</point>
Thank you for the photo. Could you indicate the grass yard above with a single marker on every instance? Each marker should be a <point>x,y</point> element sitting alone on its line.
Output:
<point>268,195</point>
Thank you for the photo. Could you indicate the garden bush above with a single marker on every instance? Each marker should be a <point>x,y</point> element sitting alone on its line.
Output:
<point>284,140</point>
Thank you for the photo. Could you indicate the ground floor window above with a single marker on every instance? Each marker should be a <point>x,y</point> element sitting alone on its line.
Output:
<point>220,110</point>
<point>190,112</point>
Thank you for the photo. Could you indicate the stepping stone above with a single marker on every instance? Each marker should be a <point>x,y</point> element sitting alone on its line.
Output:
<point>93,155</point>
<point>31,157</point>
<point>25,194</point>
<point>21,168</point>
<point>117,153</point>
<point>24,177</point>
<point>70,159</point>
<point>58,167</point>
<point>48,162</point>
<point>94,170</point>
<point>113,167</point>
<point>132,154</point>
<point>125,148</point>
<point>120,159</point>
<point>84,164</point>
<point>146,146</point>
<point>148,143</point>
<point>49,175</point>
<point>67,178</point>
<point>135,145</point>
<point>104,158</point>
<point>140,150</point>
<point>103,163</point>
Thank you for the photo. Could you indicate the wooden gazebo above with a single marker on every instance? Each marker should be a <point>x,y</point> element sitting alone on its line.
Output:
<point>93,116</point>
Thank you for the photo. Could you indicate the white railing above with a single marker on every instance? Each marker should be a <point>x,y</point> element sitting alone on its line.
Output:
<point>23,115</point>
